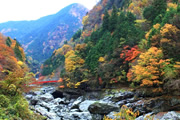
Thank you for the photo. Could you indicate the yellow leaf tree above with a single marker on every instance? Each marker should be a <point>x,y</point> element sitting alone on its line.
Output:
<point>148,71</point>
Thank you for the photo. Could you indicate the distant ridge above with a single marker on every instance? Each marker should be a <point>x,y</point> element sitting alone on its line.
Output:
<point>41,37</point>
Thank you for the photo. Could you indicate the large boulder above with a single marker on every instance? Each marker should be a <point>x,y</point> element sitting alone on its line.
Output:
<point>85,105</point>
<point>57,94</point>
<point>102,108</point>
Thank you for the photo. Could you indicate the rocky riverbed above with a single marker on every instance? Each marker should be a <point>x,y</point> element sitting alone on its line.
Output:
<point>76,105</point>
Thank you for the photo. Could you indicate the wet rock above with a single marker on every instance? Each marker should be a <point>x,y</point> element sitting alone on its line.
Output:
<point>29,96</point>
<point>34,100</point>
<point>53,116</point>
<point>143,117</point>
<point>46,97</point>
<point>171,116</point>
<point>41,110</point>
<point>58,101</point>
<point>45,105</point>
<point>74,110</point>
<point>48,89</point>
<point>102,108</point>
<point>76,103</point>
<point>78,116</point>
<point>111,115</point>
<point>85,104</point>
<point>121,96</point>
<point>97,117</point>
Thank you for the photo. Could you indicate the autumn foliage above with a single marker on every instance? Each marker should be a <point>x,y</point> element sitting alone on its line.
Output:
<point>129,54</point>
<point>149,70</point>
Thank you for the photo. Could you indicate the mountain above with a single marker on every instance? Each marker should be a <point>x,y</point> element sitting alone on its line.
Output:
<point>123,42</point>
<point>41,37</point>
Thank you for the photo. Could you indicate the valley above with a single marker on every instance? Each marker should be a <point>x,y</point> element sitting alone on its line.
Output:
<point>118,61</point>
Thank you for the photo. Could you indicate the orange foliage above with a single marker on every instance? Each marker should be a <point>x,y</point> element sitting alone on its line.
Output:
<point>62,86</point>
<point>129,54</point>
<point>41,78</point>
<point>168,40</point>
<point>60,80</point>
<point>100,81</point>
<point>1,68</point>
<point>149,70</point>
<point>86,33</point>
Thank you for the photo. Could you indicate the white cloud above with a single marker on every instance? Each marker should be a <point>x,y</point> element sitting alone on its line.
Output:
<point>34,9</point>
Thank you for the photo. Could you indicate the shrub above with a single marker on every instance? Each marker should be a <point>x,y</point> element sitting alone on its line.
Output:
<point>4,101</point>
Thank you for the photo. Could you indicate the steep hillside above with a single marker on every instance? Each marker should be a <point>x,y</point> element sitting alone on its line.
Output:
<point>41,37</point>
<point>140,49</point>
<point>14,80</point>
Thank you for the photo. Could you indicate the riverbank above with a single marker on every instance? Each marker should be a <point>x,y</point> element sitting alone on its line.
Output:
<point>73,104</point>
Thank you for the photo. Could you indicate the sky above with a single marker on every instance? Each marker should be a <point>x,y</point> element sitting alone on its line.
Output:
<point>15,10</point>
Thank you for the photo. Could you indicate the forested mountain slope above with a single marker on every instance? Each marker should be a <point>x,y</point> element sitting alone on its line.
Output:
<point>120,45</point>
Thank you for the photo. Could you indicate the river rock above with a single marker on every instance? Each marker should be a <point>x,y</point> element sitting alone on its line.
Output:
<point>78,116</point>
<point>112,115</point>
<point>48,89</point>
<point>41,110</point>
<point>34,100</point>
<point>29,96</point>
<point>58,101</point>
<point>85,105</point>
<point>172,115</point>
<point>122,95</point>
<point>102,108</point>
<point>75,104</point>
<point>143,117</point>
<point>46,97</point>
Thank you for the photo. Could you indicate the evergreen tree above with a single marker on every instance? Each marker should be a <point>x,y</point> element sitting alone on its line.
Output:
<point>113,19</point>
<point>18,52</point>
<point>8,42</point>
<point>105,25</point>
<point>158,7</point>
<point>131,18</point>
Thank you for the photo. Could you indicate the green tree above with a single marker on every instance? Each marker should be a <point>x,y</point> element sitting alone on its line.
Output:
<point>8,42</point>
<point>113,19</point>
<point>105,25</point>
<point>158,7</point>
<point>17,51</point>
